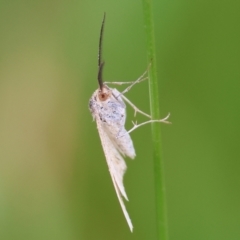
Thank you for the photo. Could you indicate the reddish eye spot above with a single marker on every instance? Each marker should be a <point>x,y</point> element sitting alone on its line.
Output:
<point>102,96</point>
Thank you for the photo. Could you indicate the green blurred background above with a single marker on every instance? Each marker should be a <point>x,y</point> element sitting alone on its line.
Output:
<point>54,181</point>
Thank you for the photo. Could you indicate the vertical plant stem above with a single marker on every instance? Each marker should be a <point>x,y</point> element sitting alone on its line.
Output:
<point>161,208</point>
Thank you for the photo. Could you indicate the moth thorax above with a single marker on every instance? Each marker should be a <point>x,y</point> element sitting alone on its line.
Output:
<point>103,94</point>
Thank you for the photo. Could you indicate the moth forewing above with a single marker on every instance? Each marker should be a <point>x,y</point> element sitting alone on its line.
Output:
<point>116,163</point>
<point>117,168</point>
<point>109,111</point>
<point>129,222</point>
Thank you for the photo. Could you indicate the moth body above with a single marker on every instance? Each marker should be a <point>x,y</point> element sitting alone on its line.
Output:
<point>109,110</point>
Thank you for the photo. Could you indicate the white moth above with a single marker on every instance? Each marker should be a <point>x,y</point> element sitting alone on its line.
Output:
<point>109,110</point>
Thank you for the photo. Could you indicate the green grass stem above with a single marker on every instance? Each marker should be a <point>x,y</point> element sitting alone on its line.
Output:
<point>161,208</point>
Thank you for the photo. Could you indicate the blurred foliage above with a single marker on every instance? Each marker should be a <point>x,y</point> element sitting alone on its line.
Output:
<point>54,182</point>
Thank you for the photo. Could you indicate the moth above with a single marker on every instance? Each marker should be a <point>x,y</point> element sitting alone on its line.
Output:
<point>108,108</point>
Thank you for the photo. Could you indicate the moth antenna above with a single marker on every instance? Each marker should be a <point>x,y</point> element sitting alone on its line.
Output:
<point>100,63</point>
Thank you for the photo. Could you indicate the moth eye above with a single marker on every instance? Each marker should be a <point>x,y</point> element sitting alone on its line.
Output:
<point>102,96</point>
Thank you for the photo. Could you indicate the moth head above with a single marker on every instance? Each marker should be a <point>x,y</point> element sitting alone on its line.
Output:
<point>103,94</point>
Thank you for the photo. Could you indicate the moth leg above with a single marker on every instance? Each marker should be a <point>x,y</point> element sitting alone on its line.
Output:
<point>140,79</point>
<point>135,125</point>
<point>121,83</point>
<point>135,108</point>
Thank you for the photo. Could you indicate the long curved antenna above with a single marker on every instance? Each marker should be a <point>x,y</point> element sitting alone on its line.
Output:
<point>100,63</point>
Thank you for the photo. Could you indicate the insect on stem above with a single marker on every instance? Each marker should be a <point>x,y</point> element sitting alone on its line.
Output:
<point>108,108</point>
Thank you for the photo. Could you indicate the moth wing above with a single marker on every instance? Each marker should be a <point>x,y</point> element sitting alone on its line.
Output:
<point>122,204</point>
<point>117,168</point>
<point>115,129</point>
<point>123,142</point>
